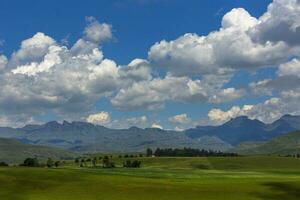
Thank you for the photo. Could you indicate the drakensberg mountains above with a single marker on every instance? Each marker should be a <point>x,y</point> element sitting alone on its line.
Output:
<point>86,137</point>
<point>243,129</point>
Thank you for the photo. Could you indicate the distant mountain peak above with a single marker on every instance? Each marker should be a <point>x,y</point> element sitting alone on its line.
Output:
<point>243,121</point>
<point>134,128</point>
<point>289,116</point>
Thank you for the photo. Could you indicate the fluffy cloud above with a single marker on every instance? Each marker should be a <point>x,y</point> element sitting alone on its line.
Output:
<point>32,49</point>
<point>152,94</point>
<point>219,116</point>
<point>44,75</point>
<point>290,68</point>
<point>227,95</point>
<point>230,48</point>
<point>268,111</point>
<point>97,32</point>
<point>155,125</point>
<point>101,118</point>
<point>180,119</point>
<point>280,23</point>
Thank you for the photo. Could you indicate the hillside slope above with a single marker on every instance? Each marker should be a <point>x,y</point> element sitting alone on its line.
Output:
<point>13,151</point>
<point>282,145</point>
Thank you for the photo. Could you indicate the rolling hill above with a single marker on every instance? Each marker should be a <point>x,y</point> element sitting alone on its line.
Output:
<point>13,151</point>
<point>281,145</point>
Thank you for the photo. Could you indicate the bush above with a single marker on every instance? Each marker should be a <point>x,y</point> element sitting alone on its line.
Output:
<point>132,164</point>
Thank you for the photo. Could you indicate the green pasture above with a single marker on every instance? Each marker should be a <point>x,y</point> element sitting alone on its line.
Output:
<point>235,178</point>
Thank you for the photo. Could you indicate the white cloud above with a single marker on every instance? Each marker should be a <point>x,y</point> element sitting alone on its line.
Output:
<point>32,49</point>
<point>51,59</point>
<point>155,125</point>
<point>290,68</point>
<point>101,118</point>
<point>3,62</point>
<point>219,116</point>
<point>227,95</point>
<point>137,121</point>
<point>280,23</point>
<point>178,128</point>
<point>44,75</point>
<point>96,32</point>
<point>230,48</point>
<point>180,119</point>
<point>152,94</point>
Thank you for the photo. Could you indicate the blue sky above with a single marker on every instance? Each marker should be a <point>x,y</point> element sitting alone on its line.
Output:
<point>137,24</point>
<point>135,27</point>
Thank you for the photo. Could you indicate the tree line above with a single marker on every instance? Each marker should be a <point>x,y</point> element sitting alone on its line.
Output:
<point>187,152</point>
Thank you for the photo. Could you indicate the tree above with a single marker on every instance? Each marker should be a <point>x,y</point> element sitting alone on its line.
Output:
<point>30,162</point>
<point>107,163</point>
<point>3,164</point>
<point>77,160</point>
<point>149,152</point>
<point>83,163</point>
<point>57,163</point>
<point>50,163</point>
<point>94,162</point>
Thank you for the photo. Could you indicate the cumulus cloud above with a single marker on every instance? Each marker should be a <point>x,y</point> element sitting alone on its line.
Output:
<point>219,116</point>
<point>101,118</point>
<point>155,125</point>
<point>97,32</point>
<point>290,68</point>
<point>153,94</point>
<point>32,49</point>
<point>180,119</point>
<point>267,111</point>
<point>227,95</point>
<point>44,75</point>
<point>230,48</point>
<point>280,23</point>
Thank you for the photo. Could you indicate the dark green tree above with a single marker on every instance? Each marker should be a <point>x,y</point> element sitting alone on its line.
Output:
<point>50,163</point>
<point>30,162</point>
<point>94,162</point>
<point>149,152</point>
<point>3,164</point>
<point>57,163</point>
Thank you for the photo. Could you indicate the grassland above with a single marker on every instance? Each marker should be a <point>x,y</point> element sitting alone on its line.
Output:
<point>237,178</point>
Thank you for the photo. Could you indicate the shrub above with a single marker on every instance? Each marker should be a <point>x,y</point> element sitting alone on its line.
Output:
<point>132,164</point>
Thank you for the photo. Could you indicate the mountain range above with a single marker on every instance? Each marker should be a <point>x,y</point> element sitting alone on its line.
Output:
<point>242,129</point>
<point>87,137</point>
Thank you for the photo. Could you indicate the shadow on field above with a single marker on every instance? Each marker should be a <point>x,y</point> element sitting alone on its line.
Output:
<point>280,191</point>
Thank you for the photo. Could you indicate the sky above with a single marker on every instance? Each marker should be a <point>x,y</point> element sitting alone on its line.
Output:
<point>169,64</point>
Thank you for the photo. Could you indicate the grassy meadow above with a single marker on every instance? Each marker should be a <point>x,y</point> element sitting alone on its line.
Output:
<point>213,178</point>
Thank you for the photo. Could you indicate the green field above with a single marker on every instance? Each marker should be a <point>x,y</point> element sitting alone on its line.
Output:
<point>239,178</point>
